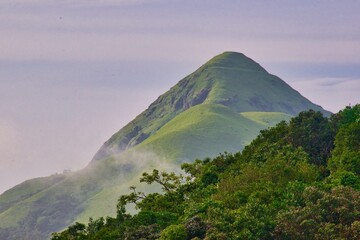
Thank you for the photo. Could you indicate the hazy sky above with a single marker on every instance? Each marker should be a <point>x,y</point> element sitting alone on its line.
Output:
<point>74,72</point>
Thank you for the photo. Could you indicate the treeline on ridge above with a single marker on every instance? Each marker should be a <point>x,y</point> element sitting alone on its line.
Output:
<point>298,180</point>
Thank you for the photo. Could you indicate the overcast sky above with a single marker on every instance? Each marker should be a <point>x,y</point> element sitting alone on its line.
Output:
<point>72,73</point>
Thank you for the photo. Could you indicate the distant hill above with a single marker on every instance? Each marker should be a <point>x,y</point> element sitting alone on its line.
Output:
<point>220,107</point>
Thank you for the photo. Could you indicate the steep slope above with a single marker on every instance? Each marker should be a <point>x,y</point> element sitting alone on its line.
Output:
<point>220,107</point>
<point>230,79</point>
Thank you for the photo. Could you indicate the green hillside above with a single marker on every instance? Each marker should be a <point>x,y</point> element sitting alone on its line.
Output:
<point>207,130</point>
<point>230,79</point>
<point>220,107</point>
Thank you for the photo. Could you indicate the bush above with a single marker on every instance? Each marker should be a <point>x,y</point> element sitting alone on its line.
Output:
<point>174,232</point>
<point>195,227</point>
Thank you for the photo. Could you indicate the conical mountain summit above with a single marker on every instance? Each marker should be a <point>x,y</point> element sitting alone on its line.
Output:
<point>230,79</point>
<point>220,107</point>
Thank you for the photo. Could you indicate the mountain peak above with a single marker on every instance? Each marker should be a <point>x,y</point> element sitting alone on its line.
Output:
<point>230,79</point>
<point>234,60</point>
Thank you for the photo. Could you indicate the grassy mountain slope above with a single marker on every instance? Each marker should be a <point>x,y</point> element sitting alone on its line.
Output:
<point>206,130</point>
<point>57,205</point>
<point>26,190</point>
<point>220,107</point>
<point>230,79</point>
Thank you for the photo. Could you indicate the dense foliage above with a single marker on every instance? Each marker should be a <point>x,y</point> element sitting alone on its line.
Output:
<point>298,180</point>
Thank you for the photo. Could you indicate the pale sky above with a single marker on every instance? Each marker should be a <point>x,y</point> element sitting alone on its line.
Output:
<point>72,73</point>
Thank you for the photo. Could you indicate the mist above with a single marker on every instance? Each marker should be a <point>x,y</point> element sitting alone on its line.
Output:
<point>108,179</point>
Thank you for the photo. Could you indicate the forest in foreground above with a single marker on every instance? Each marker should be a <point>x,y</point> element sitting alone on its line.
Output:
<point>297,180</point>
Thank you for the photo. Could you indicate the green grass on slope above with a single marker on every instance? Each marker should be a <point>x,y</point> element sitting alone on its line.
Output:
<point>104,202</point>
<point>13,215</point>
<point>27,189</point>
<point>91,192</point>
<point>14,203</point>
<point>247,90</point>
<point>207,130</point>
<point>267,118</point>
<point>59,203</point>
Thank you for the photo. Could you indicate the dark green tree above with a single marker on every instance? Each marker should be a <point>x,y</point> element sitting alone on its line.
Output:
<point>333,214</point>
<point>311,131</point>
<point>346,154</point>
